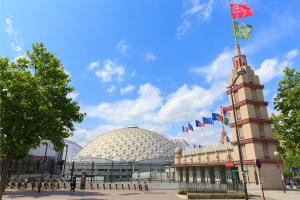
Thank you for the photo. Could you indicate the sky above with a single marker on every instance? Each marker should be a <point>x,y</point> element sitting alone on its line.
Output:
<point>150,63</point>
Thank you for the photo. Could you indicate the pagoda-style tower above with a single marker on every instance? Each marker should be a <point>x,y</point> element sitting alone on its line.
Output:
<point>254,126</point>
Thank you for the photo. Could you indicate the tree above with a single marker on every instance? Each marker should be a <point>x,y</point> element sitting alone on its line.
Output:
<point>286,124</point>
<point>34,103</point>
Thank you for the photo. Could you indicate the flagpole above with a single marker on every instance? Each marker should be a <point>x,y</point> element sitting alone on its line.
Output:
<point>232,21</point>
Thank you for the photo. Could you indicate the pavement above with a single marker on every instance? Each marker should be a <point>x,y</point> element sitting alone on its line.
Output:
<point>128,195</point>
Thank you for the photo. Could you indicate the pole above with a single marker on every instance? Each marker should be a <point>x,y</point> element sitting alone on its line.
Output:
<point>261,185</point>
<point>67,146</point>
<point>232,20</point>
<point>238,139</point>
<point>92,172</point>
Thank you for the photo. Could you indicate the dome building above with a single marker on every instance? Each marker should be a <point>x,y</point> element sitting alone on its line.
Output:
<point>125,154</point>
<point>127,145</point>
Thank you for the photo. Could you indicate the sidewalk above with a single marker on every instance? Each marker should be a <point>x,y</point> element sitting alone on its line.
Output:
<point>128,195</point>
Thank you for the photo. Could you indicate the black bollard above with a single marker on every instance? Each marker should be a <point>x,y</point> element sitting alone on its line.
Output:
<point>128,186</point>
<point>97,186</point>
<point>116,186</point>
<point>91,186</point>
<point>65,187</point>
<point>110,186</point>
<point>122,186</point>
<point>134,187</point>
<point>32,185</point>
<point>103,186</point>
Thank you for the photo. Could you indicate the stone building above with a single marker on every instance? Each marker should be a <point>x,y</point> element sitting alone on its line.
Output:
<point>216,163</point>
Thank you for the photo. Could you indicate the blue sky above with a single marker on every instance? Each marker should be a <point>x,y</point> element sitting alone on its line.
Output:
<point>150,63</point>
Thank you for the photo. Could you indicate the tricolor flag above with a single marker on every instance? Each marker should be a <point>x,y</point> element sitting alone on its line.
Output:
<point>226,121</point>
<point>207,120</point>
<point>190,127</point>
<point>197,123</point>
<point>223,111</point>
<point>240,10</point>
<point>217,117</point>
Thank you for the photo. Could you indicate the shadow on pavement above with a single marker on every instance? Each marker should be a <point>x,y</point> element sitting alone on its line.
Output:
<point>35,194</point>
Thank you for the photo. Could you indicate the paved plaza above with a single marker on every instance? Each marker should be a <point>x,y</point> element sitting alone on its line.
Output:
<point>128,195</point>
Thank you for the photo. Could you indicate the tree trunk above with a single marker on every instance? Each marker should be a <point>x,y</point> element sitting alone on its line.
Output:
<point>4,171</point>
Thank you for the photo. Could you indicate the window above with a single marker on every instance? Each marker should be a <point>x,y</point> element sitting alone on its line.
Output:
<point>254,94</point>
<point>238,113</point>
<point>261,130</point>
<point>266,150</point>
<point>241,134</point>
<point>236,97</point>
<point>243,149</point>
<point>257,111</point>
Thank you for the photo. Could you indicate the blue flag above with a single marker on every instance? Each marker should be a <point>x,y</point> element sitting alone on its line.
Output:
<point>207,120</point>
<point>198,123</point>
<point>183,129</point>
<point>190,127</point>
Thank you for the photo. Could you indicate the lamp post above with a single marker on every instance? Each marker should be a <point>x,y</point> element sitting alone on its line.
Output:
<point>67,146</point>
<point>276,154</point>
<point>45,143</point>
<point>241,72</point>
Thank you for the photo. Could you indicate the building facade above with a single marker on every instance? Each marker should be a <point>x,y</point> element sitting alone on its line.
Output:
<point>220,162</point>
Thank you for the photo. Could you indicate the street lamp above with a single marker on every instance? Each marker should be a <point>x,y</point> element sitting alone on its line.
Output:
<point>45,143</point>
<point>67,146</point>
<point>276,154</point>
<point>240,72</point>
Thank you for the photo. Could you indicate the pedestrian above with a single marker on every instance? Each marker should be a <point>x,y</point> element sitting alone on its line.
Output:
<point>146,185</point>
<point>73,184</point>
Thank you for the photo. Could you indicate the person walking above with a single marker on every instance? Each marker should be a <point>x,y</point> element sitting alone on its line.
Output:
<point>73,184</point>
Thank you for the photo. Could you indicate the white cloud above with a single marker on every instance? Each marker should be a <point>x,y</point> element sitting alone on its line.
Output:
<point>188,103</point>
<point>111,89</point>
<point>194,9</point>
<point>16,47</point>
<point>73,95</point>
<point>10,28</point>
<point>129,88</point>
<point>110,70</point>
<point>150,107</point>
<point>273,67</point>
<point>127,111</point>
<point>292,54</point>
<point>122,47</point>
<point>219,69</point>
<point>83,136</point>
<point>94,65</point>
<point>149,56</point>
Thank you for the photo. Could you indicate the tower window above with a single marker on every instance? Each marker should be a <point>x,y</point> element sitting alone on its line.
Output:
<point>261,130</point>
<point>236,96</point>
<point>238,114</point>
<point>243,149</point>
<point>241,134</point>
<point>257,111</point>
<point>266,150</point>
<point>254,94</point>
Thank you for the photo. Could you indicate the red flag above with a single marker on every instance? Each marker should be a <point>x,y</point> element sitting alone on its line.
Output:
<point>186,129</point>
<point>240,10</point>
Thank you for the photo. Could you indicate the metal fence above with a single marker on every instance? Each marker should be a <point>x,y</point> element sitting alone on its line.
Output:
<point>210,187</point>
<point>121,171</point>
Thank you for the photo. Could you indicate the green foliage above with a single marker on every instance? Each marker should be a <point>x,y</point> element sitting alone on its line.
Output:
<point>286,124</point>
<point>34,103</point>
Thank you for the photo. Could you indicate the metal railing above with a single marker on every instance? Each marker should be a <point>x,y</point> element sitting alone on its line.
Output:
<point>210,187</point>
